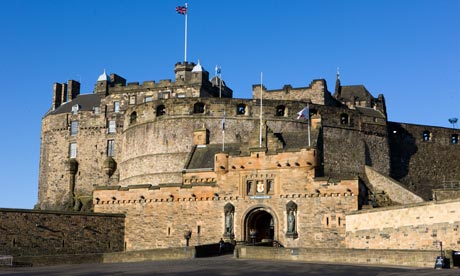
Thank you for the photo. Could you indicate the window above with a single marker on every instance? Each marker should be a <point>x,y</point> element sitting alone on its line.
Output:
<point>116,107</point>
<point>198,108</point>
<point>163,95</point>
<point>426,135</point>
<point>269,186</point>
<point>133,118</point>
<point>73,150</point>
<point>249,187</point>
<point>454,139</point>
<point>73,128</point>
<point>148,99</point>
<point>132,99</point>
<point>161,110</point>
<point>112,127</point>
<point>96,110</point>
<point>75,109</point>
<point>344,119</point>
<point>181,95</point>
<point>241,109</point>
<point>110,148</point>
<point>280,110</point>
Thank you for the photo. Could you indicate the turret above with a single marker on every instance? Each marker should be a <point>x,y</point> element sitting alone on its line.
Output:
<point>183,70</point>
<point>102,85</point>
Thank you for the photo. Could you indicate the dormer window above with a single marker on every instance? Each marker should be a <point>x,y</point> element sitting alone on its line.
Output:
<point>75,109</point>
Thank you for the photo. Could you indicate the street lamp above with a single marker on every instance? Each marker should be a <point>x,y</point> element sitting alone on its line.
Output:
<point>187,236</point>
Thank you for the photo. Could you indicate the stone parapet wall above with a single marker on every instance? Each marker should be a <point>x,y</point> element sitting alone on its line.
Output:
<point>33,233</point>
<point>419,226</point>
<point>415,258</point>
<point>398,193</point>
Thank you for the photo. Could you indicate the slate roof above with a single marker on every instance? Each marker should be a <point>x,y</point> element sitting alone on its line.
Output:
<point>86,102</point>
<point>370,112</point>
<point>203,157</point>
<point>349,93</point>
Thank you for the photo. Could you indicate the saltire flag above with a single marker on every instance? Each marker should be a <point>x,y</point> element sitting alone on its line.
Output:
<point>304,113</point>
<point>223,122</point>
<point>181,10</point>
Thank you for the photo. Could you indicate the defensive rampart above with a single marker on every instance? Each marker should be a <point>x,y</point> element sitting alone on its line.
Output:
<point>32,233</point>
<point>419,226</point>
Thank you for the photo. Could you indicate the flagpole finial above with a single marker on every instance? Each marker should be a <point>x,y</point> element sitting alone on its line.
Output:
<point>338,74</point>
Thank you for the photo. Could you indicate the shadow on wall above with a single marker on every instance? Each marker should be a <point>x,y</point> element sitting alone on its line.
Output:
<point>402,148</point>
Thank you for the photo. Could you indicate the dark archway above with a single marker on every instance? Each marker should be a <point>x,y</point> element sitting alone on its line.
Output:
<point>260,226</point>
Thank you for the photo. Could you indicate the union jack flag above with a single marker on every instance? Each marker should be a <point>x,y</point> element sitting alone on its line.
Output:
<point>181,9</point>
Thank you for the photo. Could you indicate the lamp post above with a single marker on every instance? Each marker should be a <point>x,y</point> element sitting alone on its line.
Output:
<point>187,236</point>
<point>252,235</point>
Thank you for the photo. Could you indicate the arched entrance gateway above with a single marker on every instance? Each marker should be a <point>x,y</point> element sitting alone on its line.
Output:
<point>260,225</point>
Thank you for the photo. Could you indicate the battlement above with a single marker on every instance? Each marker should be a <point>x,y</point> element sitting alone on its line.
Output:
<point>191,80</point>
<point>316,93</point>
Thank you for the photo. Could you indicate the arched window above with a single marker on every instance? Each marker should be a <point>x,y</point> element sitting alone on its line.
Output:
<point>344,119</point>
<point>133,117</point>
<point>161,110</point>
<point>454,139</point>
<point>241,109</point>
<point>280,109</point>
<point>426,135</point>
<point>198,108</point>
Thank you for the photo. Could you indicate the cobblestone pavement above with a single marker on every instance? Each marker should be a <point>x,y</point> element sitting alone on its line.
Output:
<point>223,265</point>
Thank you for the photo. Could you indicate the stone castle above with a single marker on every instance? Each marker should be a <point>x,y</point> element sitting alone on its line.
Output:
<point>188,163</point>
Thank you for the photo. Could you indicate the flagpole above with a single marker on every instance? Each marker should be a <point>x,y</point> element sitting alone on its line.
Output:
<point>260,130</point>
<point>185,40</point>
<point>308,125</point>
<point>223,133</point>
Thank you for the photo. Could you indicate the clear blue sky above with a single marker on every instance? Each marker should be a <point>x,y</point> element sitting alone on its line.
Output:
<point>407,50</point>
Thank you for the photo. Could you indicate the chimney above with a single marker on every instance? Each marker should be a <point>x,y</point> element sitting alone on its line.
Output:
<point>64,93</point>
<point>57,95</point>
<point>73,89</point>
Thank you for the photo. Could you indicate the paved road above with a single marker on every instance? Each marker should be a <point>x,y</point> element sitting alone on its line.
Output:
<point>223,265</point>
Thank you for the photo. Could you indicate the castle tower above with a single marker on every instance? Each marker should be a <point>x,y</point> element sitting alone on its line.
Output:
<point>183,71</point>
<point>102,85</point>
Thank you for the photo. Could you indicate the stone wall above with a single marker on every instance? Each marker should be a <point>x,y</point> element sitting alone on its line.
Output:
<point>423,165</point>
<point>413,258</point>
<point>398,194</point>
<point>420,226</point>
<point>32,233</point>
<point>158,218</point>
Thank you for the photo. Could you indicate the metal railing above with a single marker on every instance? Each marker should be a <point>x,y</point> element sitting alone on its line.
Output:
<point>6,260</point>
